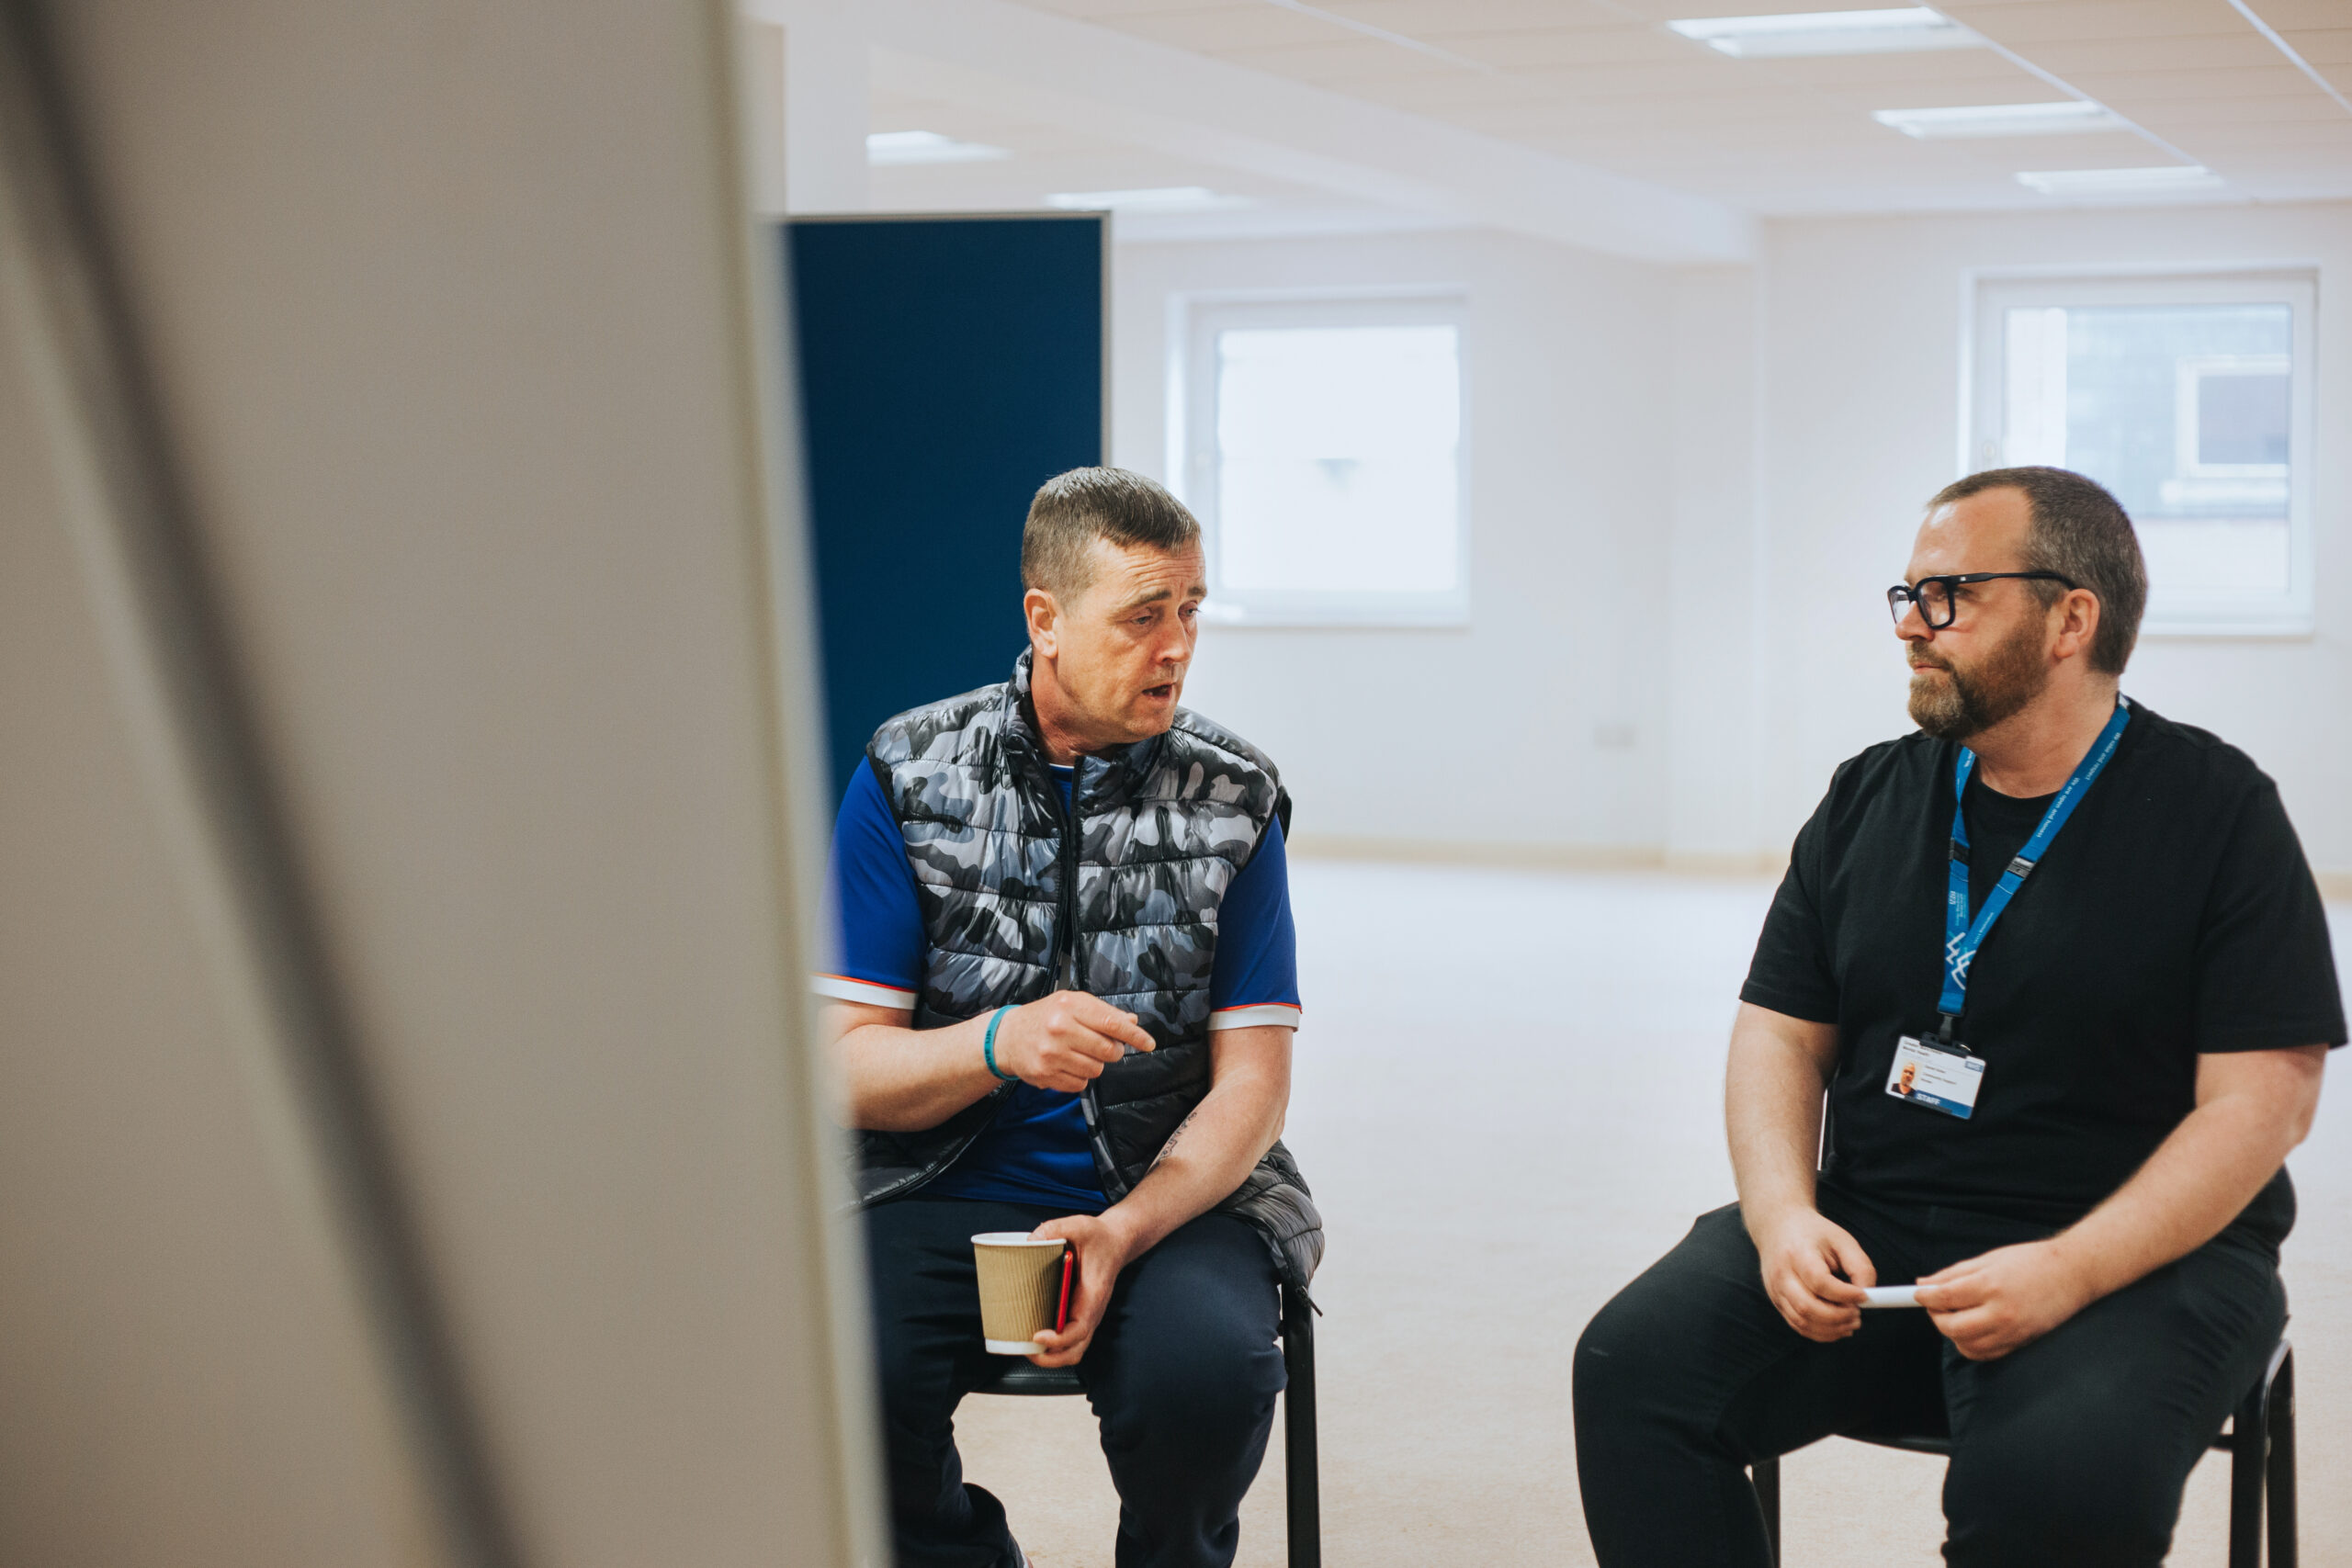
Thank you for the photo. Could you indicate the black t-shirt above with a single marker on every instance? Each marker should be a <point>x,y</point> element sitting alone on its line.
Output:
<point>2173,915</point>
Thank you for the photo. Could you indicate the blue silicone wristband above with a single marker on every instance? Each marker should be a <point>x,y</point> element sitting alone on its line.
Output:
<point>987,1048</point>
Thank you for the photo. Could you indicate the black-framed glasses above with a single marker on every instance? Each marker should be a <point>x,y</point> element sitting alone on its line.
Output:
<point>1939,604</point>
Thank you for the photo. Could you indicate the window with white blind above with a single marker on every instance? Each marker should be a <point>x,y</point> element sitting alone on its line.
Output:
<point>1321,445</point>
<point>2191,398</point>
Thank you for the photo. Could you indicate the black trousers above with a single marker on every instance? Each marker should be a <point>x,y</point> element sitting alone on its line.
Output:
<point>2072,1449</point>
<point>1183,1375</point>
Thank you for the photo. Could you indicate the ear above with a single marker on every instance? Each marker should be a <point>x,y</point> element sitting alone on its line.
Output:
<point>2077,615</point>
<point>1043,617</point>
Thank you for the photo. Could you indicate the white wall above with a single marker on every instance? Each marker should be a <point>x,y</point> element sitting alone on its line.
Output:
<point>1713,647</point>
<point>1492,735</point>
<point>806,65</point>
<point>1861,403</point>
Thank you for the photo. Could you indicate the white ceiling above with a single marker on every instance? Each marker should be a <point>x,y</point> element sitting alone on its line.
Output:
<point>1603,86</point>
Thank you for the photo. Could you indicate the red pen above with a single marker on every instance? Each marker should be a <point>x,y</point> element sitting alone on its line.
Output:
<point>1061,1313</point>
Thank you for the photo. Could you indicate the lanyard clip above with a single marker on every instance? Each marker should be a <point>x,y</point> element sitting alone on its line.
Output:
<point>1945,1022</point>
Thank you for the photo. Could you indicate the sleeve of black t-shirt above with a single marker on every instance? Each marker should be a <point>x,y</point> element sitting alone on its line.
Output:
<point>1791,972</point>
<point>2265,975</point>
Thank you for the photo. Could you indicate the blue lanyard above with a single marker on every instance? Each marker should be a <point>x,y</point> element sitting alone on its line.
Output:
<point>1962,938</point>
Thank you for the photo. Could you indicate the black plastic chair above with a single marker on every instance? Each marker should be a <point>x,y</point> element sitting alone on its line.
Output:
<point>2260,1441</point>
<point>1306,1520</point>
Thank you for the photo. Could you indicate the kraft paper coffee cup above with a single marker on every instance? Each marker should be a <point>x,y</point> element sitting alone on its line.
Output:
<point>1021,1289</point>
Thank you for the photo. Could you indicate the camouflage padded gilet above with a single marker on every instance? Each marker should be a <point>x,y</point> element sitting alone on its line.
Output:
<point>1125,909</point>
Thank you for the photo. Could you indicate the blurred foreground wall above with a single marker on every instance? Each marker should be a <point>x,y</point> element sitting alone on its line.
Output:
<point>408,1153</point>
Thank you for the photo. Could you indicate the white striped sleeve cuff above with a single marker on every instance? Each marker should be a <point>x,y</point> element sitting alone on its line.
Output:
<point>1281,1015</point>
<point>842,989</point>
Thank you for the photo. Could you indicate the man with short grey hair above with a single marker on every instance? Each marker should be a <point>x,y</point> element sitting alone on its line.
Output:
<point>1063,1004</point>
<point>2063,977</point>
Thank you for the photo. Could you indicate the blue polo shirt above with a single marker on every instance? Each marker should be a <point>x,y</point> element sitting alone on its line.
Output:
<point>1036,1150</point>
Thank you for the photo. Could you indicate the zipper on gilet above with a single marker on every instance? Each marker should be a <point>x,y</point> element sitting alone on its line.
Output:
<point>1063,975</point>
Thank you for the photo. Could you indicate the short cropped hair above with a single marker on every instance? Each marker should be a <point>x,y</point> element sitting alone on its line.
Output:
<point>1072,510</point>
<point>2082,533</point>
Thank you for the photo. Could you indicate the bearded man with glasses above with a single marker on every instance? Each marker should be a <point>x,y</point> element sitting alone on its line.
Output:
<point>2060,972</point>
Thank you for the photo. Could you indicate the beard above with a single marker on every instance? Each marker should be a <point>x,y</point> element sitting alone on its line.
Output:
<point>1970,701</point>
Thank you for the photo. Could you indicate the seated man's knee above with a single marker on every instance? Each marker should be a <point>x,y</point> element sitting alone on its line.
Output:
<point>1620,1361</point>
<point>1226,1386</point>
<point>2079,1503</point>
<point>1216,1388</point>
<point>905,1401</point>
<point>915,1392</point>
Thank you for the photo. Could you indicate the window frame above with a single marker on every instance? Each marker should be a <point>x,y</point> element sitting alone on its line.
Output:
<point>1194,456</point>
<point>2188,381</point>
<point>1991,295</point>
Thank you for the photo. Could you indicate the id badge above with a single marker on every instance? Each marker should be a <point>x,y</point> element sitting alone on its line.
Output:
<point>1939,1078</point>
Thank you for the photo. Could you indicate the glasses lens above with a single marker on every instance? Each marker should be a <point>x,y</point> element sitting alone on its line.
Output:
<point>1898,604</point>
<point>1935,602</point>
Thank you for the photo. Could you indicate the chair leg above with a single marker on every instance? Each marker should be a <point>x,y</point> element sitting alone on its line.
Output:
<point>2249,1448</point>
<point>1303,1484</point>
<point>2279,1474</point>
<point>1766,1473</point>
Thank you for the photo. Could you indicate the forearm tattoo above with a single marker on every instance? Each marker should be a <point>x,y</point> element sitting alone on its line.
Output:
<point>1175,1138</point>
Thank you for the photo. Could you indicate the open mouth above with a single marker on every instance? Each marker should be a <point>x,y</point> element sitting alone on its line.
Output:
<point>1162,693</point>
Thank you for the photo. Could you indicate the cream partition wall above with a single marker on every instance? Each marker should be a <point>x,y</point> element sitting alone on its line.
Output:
<point>411,1147</point>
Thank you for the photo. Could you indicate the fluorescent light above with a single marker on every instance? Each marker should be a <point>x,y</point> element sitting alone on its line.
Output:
<point>2000,119</point>
<point>926,147</point>
<point>1829,32</point>
<point>1158,199</point>
<point>2164,180</point>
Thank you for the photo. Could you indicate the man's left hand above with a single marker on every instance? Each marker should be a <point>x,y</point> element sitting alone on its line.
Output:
<point>1989,1305</point>
<point>1103,1248</point>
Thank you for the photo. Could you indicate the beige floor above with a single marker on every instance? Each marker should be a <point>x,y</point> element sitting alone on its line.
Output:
<point>1506,1100</point>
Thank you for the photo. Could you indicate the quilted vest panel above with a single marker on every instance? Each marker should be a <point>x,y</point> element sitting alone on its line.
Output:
<point>1118,897</point>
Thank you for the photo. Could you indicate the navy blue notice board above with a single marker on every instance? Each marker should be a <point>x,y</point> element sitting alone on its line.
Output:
<point>948,366</point>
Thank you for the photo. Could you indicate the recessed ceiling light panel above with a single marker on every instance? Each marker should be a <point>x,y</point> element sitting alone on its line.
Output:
<point>2001,120</point>
<point>1157,198</point>
<point>2166,179</point>
<point>926,147</point>
<point>1900,31</point>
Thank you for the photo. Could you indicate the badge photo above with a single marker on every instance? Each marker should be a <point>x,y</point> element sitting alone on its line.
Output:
<point>1935,1078</point>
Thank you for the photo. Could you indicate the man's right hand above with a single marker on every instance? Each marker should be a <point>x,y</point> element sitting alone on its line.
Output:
<point>1803,1256</point>
<point>1063,1041</point>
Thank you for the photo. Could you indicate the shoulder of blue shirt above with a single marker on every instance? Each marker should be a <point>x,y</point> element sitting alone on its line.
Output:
<point>876,922</point>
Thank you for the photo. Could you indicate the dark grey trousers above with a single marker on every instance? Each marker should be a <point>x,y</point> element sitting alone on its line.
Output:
<point>2072,1449</point>
<point>1182,1376</point>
